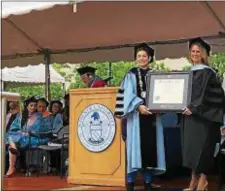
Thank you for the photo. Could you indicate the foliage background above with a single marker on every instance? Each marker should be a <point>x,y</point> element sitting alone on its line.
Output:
<point>119,69</point>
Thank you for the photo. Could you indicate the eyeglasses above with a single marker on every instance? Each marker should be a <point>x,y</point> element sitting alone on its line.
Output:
<point>83,76</point>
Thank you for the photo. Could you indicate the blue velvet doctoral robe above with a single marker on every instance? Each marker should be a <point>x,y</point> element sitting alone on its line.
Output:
<point>126,107</point>
<point>47,123</point>
<point>57,123</point>
<point>15,133</point>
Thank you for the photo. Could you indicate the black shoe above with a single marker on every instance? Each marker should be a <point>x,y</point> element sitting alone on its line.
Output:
<point>14,151</point>
<point>130,186</point>
<point>155,186</point>
<point>148,187</point>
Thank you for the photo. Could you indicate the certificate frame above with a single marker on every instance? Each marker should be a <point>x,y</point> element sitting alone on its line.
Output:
<point>179,86</point>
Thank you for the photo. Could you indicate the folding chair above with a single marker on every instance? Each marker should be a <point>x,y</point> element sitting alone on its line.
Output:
<point>32,149</point>
<point>61,142</point>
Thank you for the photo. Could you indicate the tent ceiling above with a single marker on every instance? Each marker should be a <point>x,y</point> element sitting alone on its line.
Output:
<point>106,25</point>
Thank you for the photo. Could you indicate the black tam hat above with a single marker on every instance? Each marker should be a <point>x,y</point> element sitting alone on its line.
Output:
<point>44,100</point>
<point>29,100</point>
<point>85,70</point>
<point>144,46</point>
<point>56,101</point>
<point>200,41</point>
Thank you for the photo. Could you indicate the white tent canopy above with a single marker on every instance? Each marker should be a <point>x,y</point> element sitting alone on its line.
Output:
<point>175,64</point>
<point>30,74</point>
<point>88,31</point>
<point>19,8</point>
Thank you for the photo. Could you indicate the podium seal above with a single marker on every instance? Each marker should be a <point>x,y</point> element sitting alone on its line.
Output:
<point>96,128</point>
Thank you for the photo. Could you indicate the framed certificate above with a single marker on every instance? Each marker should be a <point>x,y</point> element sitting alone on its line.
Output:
<point>168,91</point>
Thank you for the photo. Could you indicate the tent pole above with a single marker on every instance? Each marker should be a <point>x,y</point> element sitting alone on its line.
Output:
<point>2,86</point>
<point>64,90</point>
<point>2,139</point>
<point>110,72</point>
<point>47,58</point>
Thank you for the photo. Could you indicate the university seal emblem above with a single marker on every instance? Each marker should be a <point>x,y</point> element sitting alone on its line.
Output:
<point>96,127</point>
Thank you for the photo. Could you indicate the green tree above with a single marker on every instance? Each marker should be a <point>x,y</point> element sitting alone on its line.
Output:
<point>160,67</point>
<point>26,90</point>
<point>218,62</point>
<point>36,90</point>
<point>119,69</point>
<point>186,68</point>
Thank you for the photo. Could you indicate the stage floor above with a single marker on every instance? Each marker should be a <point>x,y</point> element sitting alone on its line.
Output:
<point>55,183</point>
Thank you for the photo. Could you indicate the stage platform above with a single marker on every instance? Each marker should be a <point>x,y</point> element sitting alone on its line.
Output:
<point>50,182</point>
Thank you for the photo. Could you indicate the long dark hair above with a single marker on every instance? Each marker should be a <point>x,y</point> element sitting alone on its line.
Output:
<point>24,119</point>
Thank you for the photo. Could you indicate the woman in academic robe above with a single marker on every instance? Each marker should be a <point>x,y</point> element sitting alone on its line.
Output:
<point>144,142</point>
<point>12,113</point>
<point>47,117</point>
<point>56,110</point>
<point>203,117</point>
<point>18,135</point>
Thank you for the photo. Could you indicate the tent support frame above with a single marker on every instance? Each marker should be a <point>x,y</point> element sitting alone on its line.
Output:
<point>47,60</point>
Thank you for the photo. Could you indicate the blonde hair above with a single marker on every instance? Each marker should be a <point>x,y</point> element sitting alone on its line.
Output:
<point>203,53</point>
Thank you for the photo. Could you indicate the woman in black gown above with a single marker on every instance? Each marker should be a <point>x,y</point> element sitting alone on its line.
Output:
<point>202,117</point>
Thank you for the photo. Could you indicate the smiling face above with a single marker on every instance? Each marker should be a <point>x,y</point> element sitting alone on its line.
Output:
<point>198,54</point>
<point>41,106</point>
<point>195,54</point>
<point>32,106</point>
<point>56,108</point>
<point>142,59</point>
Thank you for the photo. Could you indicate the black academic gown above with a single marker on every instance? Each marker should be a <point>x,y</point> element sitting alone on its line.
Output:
<point>201,130</point>
<point>147,128</point>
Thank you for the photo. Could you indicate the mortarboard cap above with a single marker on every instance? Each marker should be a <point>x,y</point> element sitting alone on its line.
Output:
<point>29,100</point>
<point>85,70</point>
<point>144,46</point>
<point>44,100</point>
<point>56,101</point>
<point>200,41</point>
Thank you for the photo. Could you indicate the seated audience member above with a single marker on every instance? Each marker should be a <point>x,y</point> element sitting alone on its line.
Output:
<point>55,107</point>
<point>56,110</point>
<point>19,133</point>
<point>12,113</point>
<point>47,117</point>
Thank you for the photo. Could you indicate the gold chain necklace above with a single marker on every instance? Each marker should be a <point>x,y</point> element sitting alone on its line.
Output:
<point>143,93</point>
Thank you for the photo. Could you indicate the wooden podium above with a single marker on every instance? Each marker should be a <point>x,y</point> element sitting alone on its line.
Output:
<point>96,149</point>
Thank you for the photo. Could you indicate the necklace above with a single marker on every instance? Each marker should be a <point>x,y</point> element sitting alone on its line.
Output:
<point>143,93</point>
